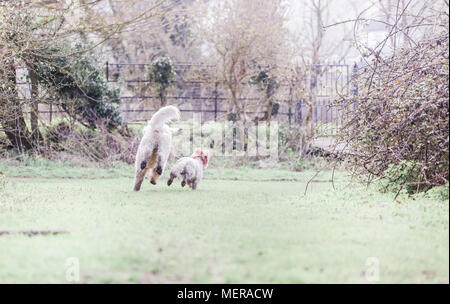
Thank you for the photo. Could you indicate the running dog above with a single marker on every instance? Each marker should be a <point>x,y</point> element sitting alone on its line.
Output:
<point>190,169</point>
<point>155,146</point>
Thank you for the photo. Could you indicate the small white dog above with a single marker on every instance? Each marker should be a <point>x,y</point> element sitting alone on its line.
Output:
<point>190,169</point>
<point>155,146</point>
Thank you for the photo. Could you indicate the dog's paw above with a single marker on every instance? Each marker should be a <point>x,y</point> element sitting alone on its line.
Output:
<point>152,182</point>
<point>183,183</point>
<point>169,182</point>
<point>143,165</point>
<point>159,170</point>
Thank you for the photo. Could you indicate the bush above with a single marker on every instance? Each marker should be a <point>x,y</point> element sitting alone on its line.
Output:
<point>440,192</point>
<point>397,126</point>
<point>162,74</point>
<point>74,78</point>
<point>403,175</point>
<point>93,145</point>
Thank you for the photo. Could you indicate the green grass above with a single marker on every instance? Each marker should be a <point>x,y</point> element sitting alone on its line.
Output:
<point>42,168</point>
<point>251,230</point>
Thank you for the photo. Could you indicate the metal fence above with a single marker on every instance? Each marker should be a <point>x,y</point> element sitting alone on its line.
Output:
<point>195,92</point>
<point>200,94</point>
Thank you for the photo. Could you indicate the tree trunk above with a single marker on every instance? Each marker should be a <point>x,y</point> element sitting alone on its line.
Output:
<point>34,105</point>
<point>307,134</point>
<point>246,137</point>
<point>268,119</point>
<point>163,97</point>
<point>11,114</point>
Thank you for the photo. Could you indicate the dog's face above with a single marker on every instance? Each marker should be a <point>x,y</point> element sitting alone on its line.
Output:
<point>203,155</point>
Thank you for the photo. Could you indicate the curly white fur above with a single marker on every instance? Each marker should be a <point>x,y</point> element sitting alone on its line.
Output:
<point>190,169</point>
<point>155,145</point>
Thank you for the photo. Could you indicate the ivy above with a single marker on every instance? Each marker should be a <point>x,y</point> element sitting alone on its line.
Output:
<point>162,74</point>
<point>74,78</point>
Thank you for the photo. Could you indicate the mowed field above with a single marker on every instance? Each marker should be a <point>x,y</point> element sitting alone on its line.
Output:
<point>240,226</point>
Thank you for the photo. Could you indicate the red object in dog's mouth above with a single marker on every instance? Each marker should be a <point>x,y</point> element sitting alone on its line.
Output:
<point>202,155</point>
<point>204,160</point>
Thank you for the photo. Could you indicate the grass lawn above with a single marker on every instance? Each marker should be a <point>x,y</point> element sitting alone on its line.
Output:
<point>259,228</point>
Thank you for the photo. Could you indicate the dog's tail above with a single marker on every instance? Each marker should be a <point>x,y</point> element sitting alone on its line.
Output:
<point>163,116</point>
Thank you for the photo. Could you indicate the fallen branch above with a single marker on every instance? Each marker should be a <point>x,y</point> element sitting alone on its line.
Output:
<point>32,232</point>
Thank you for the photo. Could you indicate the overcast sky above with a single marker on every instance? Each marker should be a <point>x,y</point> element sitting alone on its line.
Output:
<point>337,37</point>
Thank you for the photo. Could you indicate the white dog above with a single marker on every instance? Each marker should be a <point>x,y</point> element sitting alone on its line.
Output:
<point>155,146</point>
<point>190,169</point>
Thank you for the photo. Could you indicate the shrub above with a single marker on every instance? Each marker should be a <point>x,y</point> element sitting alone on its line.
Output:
<point>267,83</point>
<point>89,145</point>
<point>79,83</point>
<point>162,74</point>
<point>397,125</point>
<point>440,192</point>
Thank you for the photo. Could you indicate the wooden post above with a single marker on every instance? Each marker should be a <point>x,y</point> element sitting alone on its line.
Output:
<point>34,113</point>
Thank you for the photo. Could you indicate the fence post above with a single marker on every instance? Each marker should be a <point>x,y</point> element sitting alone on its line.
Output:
<point>216,93</point>
<point>298,112</point>
<point>257,137</point>
<point>290,115</point>
<point>107,71</point>
<point>354,79</point>
<point>234,136</point>
<point>51,111</point>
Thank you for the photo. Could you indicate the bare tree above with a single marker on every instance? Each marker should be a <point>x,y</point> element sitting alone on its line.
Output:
<point>239,36</point>
<point>242,38</point>
<point>398,130</point>
<point>29,33</point>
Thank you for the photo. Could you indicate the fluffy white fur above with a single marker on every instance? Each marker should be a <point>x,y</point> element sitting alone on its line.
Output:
<point>155,146</point>
<point>190,169</point>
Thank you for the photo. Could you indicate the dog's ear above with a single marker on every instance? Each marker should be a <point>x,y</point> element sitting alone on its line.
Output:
<point>197,153</point>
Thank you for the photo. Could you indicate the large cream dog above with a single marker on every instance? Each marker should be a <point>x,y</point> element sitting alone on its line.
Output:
<point>155,145</point>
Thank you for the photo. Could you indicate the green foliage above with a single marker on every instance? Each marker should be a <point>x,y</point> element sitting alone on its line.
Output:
<point>440,193</point>
<point>74,76</point>
<point>404,175</point>
<point>265,81</point>
<point>289,137</point>
<point>267,84</point>
<point>162,74</point>
<point>3,183</point>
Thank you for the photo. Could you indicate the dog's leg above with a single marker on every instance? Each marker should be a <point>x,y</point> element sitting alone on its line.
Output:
<point>149,159</point>
<point>158,169</point>
<point>194,184</point>
<point>160,164</point>
<point>154,176</point>
<point>183,177</point>
<point>156,172</point>
<point>170,181</point>
<point>139,178</point>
